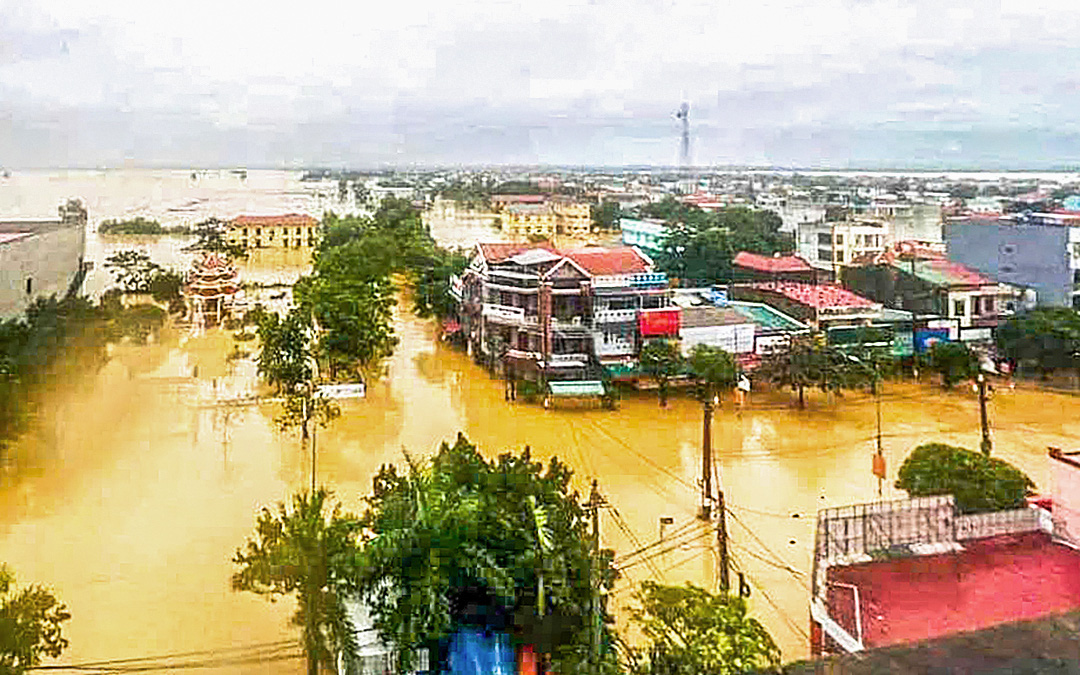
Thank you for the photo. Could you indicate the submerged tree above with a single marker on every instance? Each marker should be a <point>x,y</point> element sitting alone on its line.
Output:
<point>30,625</point>
<point>978,482</point>
<point>691,631</point>
<point>661,360</point>
<point>306,551</point>
<point>954,361</point>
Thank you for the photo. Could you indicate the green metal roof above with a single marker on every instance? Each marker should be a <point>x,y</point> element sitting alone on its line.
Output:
<point>577,388</point>
<point>767,317</point>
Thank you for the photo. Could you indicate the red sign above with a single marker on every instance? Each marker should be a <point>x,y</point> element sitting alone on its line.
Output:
<point>655,322</point>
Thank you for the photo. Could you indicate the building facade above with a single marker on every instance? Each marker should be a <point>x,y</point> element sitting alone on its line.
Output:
<point>539,215</point>
<point>542,312</point>
<point>835,245</point>
<point>1040,252</point>
<point>292,230</point>
<point>39,258</point>
<point>648,234</point>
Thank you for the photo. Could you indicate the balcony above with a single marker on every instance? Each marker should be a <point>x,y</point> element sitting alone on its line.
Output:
<point>574,324</point>
<point>614,348</point>
<point>615,315</point>
<point>506,314</point>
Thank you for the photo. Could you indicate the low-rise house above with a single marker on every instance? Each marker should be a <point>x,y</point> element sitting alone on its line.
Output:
<point>291,230</point>
<point>41,257</point>
<point>819,305</point>
<point>901,572</point>
<point>748,266</point>
<point>746,329</point>
<point>924,281</point>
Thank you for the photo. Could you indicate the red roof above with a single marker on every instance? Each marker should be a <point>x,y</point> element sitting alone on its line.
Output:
<point>519,199</point>
<point>818,296</point>
<point>609,261</point>
<point>992,581</point>
<point>771,264</point>
<point>499,251</point>
<point>270,221</point>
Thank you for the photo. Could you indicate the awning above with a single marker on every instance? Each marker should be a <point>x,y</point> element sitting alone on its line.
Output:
<point>576,388</point>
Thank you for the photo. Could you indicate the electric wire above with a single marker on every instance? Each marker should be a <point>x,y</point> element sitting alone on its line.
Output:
<point>678,533</point>
<point>622,524</point>
<point>768,598</point>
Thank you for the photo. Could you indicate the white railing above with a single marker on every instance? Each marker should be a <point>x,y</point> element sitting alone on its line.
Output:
<point>575,322</point>
<point>504,313</point>
<point>615,315</point>
<point>614,348</point>
<point>980,525</point>
<point>612,281</point>
<point>563,358</point>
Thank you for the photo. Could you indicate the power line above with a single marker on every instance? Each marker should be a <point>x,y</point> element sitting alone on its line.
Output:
<point>633,538</point>
<point>679,532</point>
<point>768,598</point>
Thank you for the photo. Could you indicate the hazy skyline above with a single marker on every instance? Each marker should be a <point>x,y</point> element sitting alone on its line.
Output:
<point>834,83</point>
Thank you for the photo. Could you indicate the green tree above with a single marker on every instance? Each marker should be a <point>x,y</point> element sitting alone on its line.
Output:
<point>30,625</point>
<point>165,286</point>
<point>210,236</point>
<point>431,282</point>
<point>1044,338</point>
<point>286,355</point>
<point>661,360</point>
<point>691,631</point>
<point>714,371</point>
<point>954,361</point>
<point>306,551</point>
<point>132,269</point>
<point>521,562</point>
<point>978,482</point>
<point>606,216</point>
<point>807,361</point>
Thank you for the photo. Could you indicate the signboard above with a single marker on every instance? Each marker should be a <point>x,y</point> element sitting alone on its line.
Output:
<point>952,325</point>
<point>925,339</point>
<point>718,296</point>
<point>766,344</point>
<point>341,390</point>
<point>975,334</point>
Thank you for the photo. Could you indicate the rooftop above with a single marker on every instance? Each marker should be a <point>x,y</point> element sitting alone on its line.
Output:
<point>600,261</point>
<point>818,296</point>
<point>499,251</point>
<point>702,317</point>
<point>941,272</point>
<point>991,581</point>
<point>771,264</point>
<point>270,221</point>
<point>5,237</point>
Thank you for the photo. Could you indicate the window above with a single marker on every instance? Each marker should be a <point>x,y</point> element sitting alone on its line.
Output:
<point>29,286</point>
<point>1076,277</point>
<point>959,308</point>
<point>839,239</point>
<point>1007,269</point>
<point>1008,249</point>
<point>824,254</point>
<point>824,239</point>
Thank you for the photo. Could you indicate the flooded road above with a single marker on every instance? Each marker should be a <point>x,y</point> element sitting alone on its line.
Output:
<point>133,504</point>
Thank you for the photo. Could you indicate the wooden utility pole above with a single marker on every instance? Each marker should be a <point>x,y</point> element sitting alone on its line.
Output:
<point>986,445</point>
<point>593,505</point>
<point>879,461</point>
<point>721,541</point>
<point>706,462</point>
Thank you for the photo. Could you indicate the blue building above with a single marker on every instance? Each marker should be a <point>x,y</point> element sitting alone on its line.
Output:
<point>1039,251</point>
<point>648,235</point>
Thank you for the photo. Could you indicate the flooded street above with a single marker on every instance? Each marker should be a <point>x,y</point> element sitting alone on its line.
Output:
<point>133,506</point>
<point>131,498</point>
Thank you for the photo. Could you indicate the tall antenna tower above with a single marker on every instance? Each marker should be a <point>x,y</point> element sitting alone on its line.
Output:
<point>684,146</point>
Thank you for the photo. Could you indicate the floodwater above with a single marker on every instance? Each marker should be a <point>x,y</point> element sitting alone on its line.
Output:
<point>131,499</point>
<point>131,503</point>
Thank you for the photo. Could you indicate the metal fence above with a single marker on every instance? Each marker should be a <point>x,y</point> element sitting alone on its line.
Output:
<point>980,525</point>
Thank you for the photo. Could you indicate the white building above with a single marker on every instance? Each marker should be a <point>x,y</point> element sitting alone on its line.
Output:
<point>833,245</point>
<point>39,258</point>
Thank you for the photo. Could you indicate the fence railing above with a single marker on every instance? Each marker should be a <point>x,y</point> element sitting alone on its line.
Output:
<point>980,525</point>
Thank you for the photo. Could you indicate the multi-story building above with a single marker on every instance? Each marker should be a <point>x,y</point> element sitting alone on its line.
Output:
<point>924,281</point>
<point>1040,251</point>
<point>648,234</point>
<point>291,230</point>
<point>39,258</point>
<point>834,245</point>
<point>562,314</point>
<point>820,305</point>
<point>537,215</point>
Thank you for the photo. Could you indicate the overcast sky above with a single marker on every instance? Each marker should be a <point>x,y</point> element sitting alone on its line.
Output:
<point>831,83</point>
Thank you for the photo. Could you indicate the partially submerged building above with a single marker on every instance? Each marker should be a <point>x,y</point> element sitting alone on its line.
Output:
<point>41,257</point>
<point>819,305</point>
<point>290,230</point>
<point>211,291</point>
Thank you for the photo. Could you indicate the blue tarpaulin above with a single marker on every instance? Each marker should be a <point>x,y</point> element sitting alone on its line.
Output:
<point>476,652</point>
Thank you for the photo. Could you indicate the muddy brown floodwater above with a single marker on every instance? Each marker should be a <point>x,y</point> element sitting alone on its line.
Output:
<point>132,503</point>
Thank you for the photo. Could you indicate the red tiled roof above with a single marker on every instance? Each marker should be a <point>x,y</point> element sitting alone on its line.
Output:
<point>818,296</point>
<point>764,263</point>
<point>609,261</point>
<point>499,251</point>
<point>992,581</point>
<point>269,221</point>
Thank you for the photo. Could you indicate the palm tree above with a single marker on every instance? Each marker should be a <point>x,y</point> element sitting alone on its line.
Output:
<point>305,551</point>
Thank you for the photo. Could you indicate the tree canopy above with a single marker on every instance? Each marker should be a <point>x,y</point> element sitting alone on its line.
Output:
<point>305,549</point>
<point>465,541</point>
<point>954,361</point>
<point>31,621</point>
<point>807,361</point>
<point>1044,338</point>
<point>661,360</point>
<point>691,631</point>
<point>979,483</point>
<point>714,371</point>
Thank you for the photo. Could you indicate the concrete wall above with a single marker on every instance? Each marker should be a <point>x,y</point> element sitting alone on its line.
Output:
<point>49,259</point>
<point>1024,255</point>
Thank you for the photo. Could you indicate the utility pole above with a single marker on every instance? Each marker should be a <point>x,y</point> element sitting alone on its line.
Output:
<point>879,460</point>
<point>721,541</point>
<point>593,506</point>
<point>706,461</point>
<point>986,444</point>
